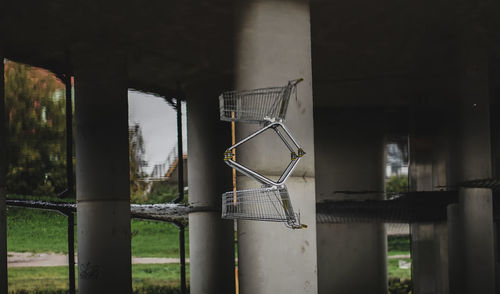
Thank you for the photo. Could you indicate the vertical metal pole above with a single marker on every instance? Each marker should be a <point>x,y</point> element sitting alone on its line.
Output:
<point>71,252</point>
<point>3,188</point>
<point>180,198</point>
<point>180,153</point>
<point>182,253</point>
<point>69,137</point>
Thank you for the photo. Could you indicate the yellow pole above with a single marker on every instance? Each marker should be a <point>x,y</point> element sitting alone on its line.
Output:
<point>233,141</point>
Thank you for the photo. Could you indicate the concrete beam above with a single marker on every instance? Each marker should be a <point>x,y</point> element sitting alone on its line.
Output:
<point>211,239</point>
<point>102,173</point>
<point>273,45</point>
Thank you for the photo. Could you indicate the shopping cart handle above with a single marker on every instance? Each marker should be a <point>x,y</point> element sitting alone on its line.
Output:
<point>301,226</point>
<point>295,82</point>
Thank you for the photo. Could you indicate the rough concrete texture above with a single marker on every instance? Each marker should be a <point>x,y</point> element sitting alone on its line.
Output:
<point>477,224</point>
<point>211,251</point>
<point>430,258</point>
<point>345,259</point>
<point>428,172</point>
<point>273,258</point>
<point>273,46</point>
<point>211,239</point>
<point>104,263</point>
<point>474,156</point>
<point>455,250</point>
<point>101,114</point>
<point>102,173</point>
<point>350,167</point>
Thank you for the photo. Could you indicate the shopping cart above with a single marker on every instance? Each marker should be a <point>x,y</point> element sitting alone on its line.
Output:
<point>271,202</point>
<point>296,153</point>
<point>257,106</point>
<point>264,204</point>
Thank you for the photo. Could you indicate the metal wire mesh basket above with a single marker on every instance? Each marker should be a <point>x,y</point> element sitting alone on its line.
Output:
<point>263,204</point>
<point>256,106</point>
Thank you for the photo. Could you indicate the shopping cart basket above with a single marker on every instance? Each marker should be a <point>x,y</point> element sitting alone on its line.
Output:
<point>257,106</point>
<point>264,204</point>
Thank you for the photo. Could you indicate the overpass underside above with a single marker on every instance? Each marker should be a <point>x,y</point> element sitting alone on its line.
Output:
<point>427,70</point>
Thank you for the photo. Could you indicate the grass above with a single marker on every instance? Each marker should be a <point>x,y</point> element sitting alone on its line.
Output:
<point>156,239</point>
<point>53,279</point>
<point>395,272</point>
<point>37,231</point>
<point>31,230</point>
<point>398,246</point>
<point>38,278</point>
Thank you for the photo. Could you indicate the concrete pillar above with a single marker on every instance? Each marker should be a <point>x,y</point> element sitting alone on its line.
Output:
<point>429,172</point>
<point>273,46</point>
<point>455,250</point>
<point>430,258</point>
<point>3,188</point>
<point>477,225</point>
<point>441,260</point>
<point>350,166</point>
<point>422,249</point>
<point>211,239</point>
<point>474,157</point>
<point>102,173</point>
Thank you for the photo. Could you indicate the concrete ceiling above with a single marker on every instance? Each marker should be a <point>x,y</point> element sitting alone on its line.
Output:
<point>390,43</point>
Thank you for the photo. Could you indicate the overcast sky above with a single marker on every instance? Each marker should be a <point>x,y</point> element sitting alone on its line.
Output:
<point>158,123</point>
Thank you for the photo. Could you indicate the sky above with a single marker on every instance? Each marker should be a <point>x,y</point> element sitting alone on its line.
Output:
<point>158,122</point>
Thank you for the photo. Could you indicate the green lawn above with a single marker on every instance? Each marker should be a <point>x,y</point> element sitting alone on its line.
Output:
<point>398,246</point>
<point>30,230</point>
<point>394,271</point>
<point>146,278</point>
<point>37,231</point>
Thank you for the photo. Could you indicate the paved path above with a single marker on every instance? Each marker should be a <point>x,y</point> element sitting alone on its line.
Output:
<point>399,256</point>
<point>26,259</point>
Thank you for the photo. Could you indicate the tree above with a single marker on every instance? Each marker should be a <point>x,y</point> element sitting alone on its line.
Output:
<point>397,184</point>
<point>34,101</point>
<point>137,152</point>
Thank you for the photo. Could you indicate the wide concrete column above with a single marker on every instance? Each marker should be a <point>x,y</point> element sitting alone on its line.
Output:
<point>455,250</point>
<point>429,171</point>
<point>429,252</point>
<point>3,188</point>
<point>102,173</point>
<point>474,160</point>
<point>350,166</point>
<point>211,239</point>
<point>273,45</point>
